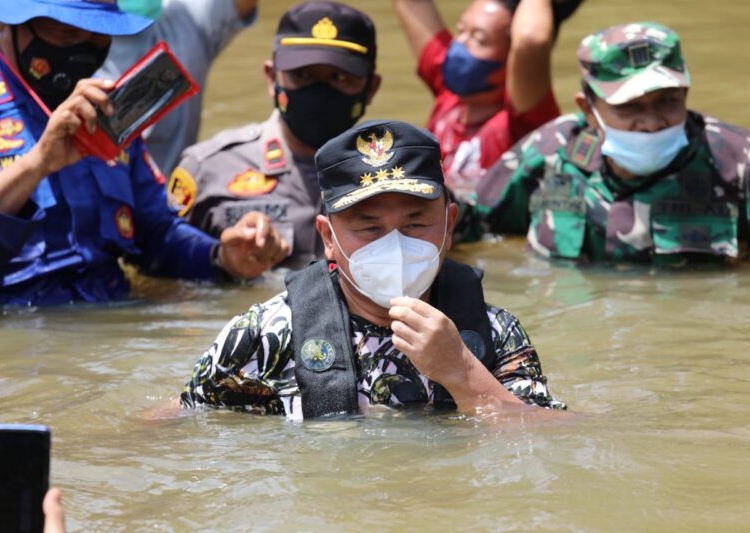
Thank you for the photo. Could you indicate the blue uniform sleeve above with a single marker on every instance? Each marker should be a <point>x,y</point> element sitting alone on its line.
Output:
<point>16,230</point>
<point>169,246</point>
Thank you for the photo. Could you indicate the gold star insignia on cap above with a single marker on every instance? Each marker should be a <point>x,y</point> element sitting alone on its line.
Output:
<point>381,174</point>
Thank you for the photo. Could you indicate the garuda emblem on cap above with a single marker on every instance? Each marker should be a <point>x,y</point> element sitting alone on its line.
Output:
<point>376,149</point>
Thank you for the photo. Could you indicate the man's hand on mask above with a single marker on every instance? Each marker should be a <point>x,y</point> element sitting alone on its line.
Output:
<point>251,246</point>
<point>55,149</point>
<point>428,338</point>
<point>431,342</point>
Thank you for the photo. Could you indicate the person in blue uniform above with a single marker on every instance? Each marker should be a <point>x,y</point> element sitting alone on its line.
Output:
<point>66,220</point>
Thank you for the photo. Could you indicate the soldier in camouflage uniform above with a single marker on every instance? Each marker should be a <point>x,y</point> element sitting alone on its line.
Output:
<point>636,176</point>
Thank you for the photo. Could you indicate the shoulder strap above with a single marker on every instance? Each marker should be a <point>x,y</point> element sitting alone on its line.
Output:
<point>321,335</point>
<point>458,293</point>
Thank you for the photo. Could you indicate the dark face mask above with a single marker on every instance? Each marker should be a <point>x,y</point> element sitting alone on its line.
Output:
<point>53,71</point>
<point>318,112</point>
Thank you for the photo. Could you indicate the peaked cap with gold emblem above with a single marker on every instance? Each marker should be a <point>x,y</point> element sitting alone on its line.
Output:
<point>375,157</point>
<point>326,33</point>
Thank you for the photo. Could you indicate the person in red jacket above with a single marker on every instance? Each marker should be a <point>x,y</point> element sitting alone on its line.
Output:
<point>491,80</point>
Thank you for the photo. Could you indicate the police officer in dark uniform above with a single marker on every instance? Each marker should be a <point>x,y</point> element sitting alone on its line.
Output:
<point>322,77</point>
<point>66,220</point>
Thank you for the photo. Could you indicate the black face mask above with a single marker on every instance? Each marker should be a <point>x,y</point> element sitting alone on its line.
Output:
<point>318,112</point>
<point>53,71</point>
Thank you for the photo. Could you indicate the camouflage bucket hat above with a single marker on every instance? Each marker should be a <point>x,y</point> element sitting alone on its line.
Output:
<point>624,62</point>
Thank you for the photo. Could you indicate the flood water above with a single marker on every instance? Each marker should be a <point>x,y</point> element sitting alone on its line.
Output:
<point>654,362</point>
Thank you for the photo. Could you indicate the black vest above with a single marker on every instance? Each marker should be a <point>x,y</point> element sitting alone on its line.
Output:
<point>325,365</point>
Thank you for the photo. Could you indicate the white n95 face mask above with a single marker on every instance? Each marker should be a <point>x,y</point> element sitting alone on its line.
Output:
<point>642,153</point>
<point>393,265</point>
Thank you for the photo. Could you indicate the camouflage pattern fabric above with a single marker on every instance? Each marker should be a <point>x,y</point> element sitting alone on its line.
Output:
<point>555,186</point>
<point>250,366</point>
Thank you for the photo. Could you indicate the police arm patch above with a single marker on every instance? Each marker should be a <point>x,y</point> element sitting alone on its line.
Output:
<point>181,191</point>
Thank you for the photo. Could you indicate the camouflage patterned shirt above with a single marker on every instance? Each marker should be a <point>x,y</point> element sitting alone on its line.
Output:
<point>250,366</point>
<point>555,186</point>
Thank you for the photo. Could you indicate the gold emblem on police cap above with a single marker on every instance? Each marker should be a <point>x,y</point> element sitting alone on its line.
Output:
<point>376,150</point>
<point>324,29</point>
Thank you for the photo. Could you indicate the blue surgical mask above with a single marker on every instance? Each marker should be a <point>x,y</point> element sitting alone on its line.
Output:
<point>465,74</point>
<point>642,153</point>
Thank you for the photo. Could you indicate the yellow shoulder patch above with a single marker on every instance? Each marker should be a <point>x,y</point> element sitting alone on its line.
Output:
<point>181,191</point>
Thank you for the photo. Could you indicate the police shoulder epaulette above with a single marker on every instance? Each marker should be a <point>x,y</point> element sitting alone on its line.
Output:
<point>225,139</point>
<point>274,154</point>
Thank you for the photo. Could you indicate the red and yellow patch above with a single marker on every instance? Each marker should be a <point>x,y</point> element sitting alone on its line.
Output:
<point>181,191</point>
<point>283,101</point>
<point>155,170</point>
<point>124,222</point>
<point>5,94</point>
<point>39,67</point>
<point>252,183</point>
<point>9,128</point>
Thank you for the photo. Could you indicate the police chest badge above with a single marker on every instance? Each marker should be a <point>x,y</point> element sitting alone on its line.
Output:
<point>318,355</point>
<point>252,183</point>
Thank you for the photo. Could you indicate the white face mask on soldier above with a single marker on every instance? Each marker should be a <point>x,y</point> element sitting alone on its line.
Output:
<point>642,153</point>
<point>393,265</point>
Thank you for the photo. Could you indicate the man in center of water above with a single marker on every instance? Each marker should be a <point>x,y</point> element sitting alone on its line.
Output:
<point>386,320</point>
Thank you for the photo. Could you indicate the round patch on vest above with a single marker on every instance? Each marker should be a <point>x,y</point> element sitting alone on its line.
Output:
<point>124,222</point>
<point>474,342</point>
<point>318,354</point>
